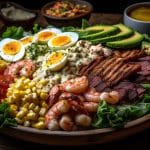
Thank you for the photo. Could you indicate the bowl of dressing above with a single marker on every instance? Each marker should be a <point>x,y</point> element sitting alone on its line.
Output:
<point>15,14</point>
<point>137,16</point>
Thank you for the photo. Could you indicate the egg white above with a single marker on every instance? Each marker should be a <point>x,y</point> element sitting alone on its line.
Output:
<point>54,30</point>
<point>11,58</point>
<point>72,35</point>
<point>28,44</point>
<point>59,65</point>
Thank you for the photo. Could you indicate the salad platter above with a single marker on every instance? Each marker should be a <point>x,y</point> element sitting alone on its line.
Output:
<point>87,85</point>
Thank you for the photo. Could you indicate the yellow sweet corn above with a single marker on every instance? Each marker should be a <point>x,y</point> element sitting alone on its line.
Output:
<point>39,125</point>
<point>43,96</point>
<point>28,102</point>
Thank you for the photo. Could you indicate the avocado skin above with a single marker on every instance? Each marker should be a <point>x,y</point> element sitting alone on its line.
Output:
<point>130,42</point>
<point>105,32</point>
<point>116,37</point>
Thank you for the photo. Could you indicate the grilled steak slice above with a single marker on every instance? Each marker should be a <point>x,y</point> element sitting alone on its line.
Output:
<point>86,69</point>
<point>130,54</point>
<point>112,67</point>
<point>123,73</point>
<point>106,74</point>
<point>129,91</point>
<point>144,73</point>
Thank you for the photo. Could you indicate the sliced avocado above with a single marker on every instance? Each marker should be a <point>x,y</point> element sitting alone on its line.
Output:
<point>130,42</point>
<point>104,30</point>
<point>87,32</point>
<point>124,33</point>
<point>145,45</point>
<point>83,32</point>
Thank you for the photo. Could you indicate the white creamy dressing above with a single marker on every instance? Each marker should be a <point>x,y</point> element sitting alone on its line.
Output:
<point>16,14</point>
<point>79,55</point>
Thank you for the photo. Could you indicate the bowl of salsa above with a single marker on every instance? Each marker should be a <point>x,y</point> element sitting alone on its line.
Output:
<point>137,16</point>
<point>66,12</point>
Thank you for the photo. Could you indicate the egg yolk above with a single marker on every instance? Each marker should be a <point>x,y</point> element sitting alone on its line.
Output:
<point>54,58</point>
<point>45,36</point>
<point>61,41</point>
<point>27,40</point>
<point>11,48</point>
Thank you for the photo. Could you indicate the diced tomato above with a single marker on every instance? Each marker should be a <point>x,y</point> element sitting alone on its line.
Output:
<point>5,80</point>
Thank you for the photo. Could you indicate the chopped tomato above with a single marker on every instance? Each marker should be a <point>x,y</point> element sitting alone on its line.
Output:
<point>5,80</point>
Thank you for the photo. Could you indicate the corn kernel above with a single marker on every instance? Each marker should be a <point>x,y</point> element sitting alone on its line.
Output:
<point>13,109</point>
<point>26,81</point>
<point>21,113</point>
<point>32,106</point>
<point>43,82</point>
<point>42,111</point>
<point>10,100</point>
<point>34,96</point>
<point>18,85</point>
<point>41,119</point>
<point>26,105</point>
<point>31,116</point>
<point>20,121</point>
<point>39,86</point>
<point>43,95</point>
<point>36,109</point>
<point>34,89</point>
<point>32,84</point>
<point>22,93</point>
<point>44,104</point>
<point>38,91</point>
<point>39,125</point>
<point>28,91</point>
<point>27,123</point>
<point>22,78</point>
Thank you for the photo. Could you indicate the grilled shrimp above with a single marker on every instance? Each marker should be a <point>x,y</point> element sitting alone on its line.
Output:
<point>111,97</point>
<point>83,120</point>
<point>78,85</point>
<point>21,68</point>
<point>92,96</point>
<point>90,106</point>
<point>73,86</point>
<point>76,97</point>
<point>66,123</point>
<point>54,94</point>
<point>51,118</point>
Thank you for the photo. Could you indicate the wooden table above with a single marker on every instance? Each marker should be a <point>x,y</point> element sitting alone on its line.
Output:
<point>140,140</point>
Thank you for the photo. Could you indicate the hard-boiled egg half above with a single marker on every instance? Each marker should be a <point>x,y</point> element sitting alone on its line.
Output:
<point>47,34</point>
<point>11,50</point>
<point>55,61</point>
<point>63,40</point>
<point>28,40</point>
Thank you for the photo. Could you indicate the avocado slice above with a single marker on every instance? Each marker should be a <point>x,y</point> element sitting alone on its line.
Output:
<point>130,42</point>
<point>124,33</point>
<point>104,30</point>
<point>145,45</point>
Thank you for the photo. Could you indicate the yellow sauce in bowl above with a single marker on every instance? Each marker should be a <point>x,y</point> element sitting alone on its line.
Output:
<point>141,13</point>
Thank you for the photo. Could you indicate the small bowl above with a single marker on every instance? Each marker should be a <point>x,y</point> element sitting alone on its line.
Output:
<point>67,21</point>
<point>26,23</point>
<point>141,26</point>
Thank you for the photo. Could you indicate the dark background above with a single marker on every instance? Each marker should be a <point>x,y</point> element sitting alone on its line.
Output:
<point>110,6</point>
